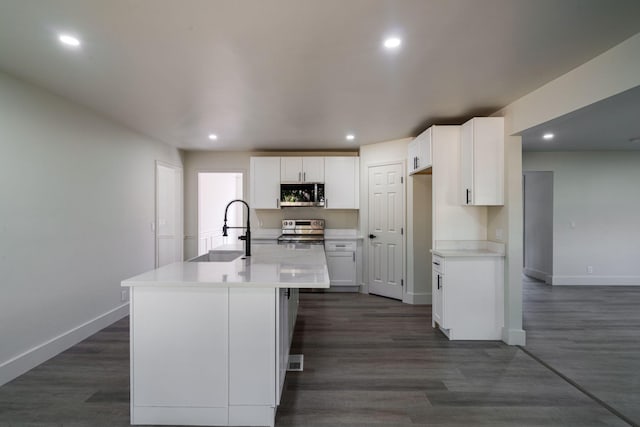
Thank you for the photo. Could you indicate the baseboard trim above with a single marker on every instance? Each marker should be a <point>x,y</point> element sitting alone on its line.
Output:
<point>417,299</point>
<point>33,357</point>
<point>537,274</point>
<point>591,280</point>
<point>364,288</point>
<point>514,336</point>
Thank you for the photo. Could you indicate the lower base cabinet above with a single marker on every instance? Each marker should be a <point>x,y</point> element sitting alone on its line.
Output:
<point>468,297</point>
<point>341,263</point>
<point>202,356</point>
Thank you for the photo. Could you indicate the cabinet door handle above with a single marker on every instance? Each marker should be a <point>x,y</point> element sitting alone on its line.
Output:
<point>468,196</point>
<point>372,236</point>
<point>277,203</point>
<point>304,176</point>
<point>438,281</point>
<point>417,162</point>
<point>354,256</point>
<point>436,263</point>
<point>326,203</point>
<point>299,176</point>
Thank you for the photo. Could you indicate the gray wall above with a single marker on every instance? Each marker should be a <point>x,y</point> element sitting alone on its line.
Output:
<point>596,200</point>
<point>538,225</point>
<point>77,202</point>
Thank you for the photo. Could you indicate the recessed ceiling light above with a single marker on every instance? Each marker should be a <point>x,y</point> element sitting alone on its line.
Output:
<point>548,136</point>
<point>350,137</point>
<point>68,40</point>
<point>392,42</point>
<point>213,136</point>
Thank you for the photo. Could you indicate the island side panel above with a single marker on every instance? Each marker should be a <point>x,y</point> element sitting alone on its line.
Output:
<point>179,356</point>
<point>252,355</point>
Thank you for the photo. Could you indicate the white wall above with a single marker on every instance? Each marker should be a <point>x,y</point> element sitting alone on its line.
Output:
<point>77,202</point>
<point>238,161</point>
<point>419,237</point>
<point>538,224</point>
<point>596,201</point>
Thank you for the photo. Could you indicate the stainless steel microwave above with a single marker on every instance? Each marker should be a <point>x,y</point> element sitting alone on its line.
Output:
<point>303,194</point>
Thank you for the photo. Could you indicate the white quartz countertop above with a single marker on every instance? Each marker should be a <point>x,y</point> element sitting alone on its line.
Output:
<point>468,248</point>
<point>270,266</point>
<point>466,253</point>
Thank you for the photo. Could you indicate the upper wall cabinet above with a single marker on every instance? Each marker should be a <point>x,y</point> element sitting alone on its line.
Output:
<point>419,150</point>
<point>341,184</point>
<point>265,183</point>
<point>482,161</point>
<point>302,169</point>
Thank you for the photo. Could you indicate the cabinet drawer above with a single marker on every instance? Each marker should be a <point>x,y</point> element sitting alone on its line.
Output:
<point>340,246</point>
<point>438,264</point>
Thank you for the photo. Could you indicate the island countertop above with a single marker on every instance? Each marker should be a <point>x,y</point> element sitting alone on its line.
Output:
<point>270,266</point>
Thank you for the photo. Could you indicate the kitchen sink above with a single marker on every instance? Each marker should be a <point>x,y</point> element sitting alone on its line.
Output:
<point>218,256</point>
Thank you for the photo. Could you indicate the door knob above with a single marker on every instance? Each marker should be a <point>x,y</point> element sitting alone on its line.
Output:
<point>372,236</point>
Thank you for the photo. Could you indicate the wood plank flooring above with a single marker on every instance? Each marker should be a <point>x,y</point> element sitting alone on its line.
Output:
<point>373,361</point>
<point>591,334</point>
<point>368,361</point>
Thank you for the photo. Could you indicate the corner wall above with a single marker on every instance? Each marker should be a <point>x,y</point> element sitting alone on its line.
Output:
<point>606,75</point>
<point>78,200</point>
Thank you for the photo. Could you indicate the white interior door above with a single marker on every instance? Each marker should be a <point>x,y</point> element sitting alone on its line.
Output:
<point>386,222</point>
<point>169,231</point>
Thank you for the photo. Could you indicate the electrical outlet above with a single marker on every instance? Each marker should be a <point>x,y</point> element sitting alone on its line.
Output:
<point>124,295</point>
<point>589,269</point>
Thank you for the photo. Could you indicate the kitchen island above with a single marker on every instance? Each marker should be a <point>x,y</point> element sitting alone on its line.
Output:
<point>210,340</point>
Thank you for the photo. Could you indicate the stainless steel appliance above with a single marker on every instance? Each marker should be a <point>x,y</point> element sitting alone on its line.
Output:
<point>302,194</point>
<point>302,231</point>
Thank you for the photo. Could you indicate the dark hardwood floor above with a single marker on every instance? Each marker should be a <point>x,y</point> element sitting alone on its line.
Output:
<point>368,361</point>
<point>590,334</point>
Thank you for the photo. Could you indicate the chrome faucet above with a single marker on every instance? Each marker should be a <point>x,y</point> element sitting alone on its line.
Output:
<point>247,234</point>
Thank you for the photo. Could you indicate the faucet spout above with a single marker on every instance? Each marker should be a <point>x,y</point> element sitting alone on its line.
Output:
<point>247,227</point>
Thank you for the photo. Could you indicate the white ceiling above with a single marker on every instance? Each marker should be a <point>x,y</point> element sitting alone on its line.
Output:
<point>610,124</point>
<point>301,74</point>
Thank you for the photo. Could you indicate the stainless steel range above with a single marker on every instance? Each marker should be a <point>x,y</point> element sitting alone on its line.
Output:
<point>302,231</point>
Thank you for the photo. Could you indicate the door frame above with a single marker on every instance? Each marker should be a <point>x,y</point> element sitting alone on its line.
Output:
<point>365,220</point>
<point>179,208</point>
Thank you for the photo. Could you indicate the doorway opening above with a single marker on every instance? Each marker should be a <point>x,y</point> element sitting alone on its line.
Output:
<point>168,215</point>
<point>215,191</point>
<point>538,225</point>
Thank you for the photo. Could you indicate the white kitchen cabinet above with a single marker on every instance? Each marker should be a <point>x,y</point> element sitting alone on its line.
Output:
<point>302,169</point>
<point>482,161</point>
<point>342,182</point>
<point>419,152</point>
<point>283,339</point>
<point>341,263</point>
<point>214,362</point>
<point>265,183</point>
<point>437,294</point>
<point>468,296</point>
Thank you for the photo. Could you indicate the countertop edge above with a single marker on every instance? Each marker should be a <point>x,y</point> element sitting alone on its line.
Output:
<point>180,284</point>
<point>452,253</point>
